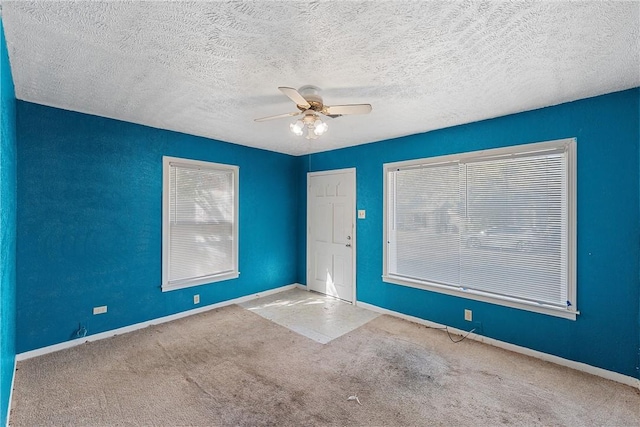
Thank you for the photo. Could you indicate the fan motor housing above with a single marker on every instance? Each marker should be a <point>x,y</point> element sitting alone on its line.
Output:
<point>312,95</point>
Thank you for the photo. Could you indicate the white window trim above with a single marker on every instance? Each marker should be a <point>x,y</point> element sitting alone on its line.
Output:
<point>234,273</point>
<point>568,145</point>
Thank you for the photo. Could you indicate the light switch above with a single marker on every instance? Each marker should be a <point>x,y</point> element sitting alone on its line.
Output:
<point>362,214</point>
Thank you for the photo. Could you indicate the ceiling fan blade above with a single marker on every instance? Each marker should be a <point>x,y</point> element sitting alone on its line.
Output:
<point>340,110</point>
<point>279,116</point>
<point>295,96</point>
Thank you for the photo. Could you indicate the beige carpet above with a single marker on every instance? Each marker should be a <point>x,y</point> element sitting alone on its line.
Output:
<point>233,367</point>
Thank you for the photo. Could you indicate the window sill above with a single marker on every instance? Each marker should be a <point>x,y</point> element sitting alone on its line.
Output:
<point>484,297</point>
<point>199,281</point>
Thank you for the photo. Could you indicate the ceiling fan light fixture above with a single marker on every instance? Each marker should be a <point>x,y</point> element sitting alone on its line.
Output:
<point>310,123</point>
<point>320,127</point>
<point>297,127</point>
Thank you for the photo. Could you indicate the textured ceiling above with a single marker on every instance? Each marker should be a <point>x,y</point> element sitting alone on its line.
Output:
<point>210,68</point>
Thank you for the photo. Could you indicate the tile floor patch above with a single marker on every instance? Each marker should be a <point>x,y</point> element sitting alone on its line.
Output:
<point>313,315</point>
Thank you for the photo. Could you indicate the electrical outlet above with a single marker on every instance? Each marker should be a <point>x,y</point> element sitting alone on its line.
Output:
<point>468,315</point>
<point>362,214</point>
<point>100,310</point>
<point>196,299</point>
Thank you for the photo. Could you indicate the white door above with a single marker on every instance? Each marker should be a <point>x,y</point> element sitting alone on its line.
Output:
<point>331,232</point>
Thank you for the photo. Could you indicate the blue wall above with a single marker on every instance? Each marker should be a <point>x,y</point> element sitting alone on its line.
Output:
<point>7,228</point>
<point>89,223</point>
<point>89,228</point>
<point>607,333</point>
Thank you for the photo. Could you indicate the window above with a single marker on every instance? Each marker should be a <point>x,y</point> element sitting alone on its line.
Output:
<point>495,225</point>
<point>199,223</point>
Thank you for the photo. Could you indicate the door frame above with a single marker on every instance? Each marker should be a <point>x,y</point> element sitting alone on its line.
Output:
<point>351,171</point>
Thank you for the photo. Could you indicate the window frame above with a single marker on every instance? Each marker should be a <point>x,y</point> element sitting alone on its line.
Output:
<point>568,146</point>
<point>168,285</point>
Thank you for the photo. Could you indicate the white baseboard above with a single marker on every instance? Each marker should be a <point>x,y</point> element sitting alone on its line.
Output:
<point>579,366</point>
<point>13,379</point>
<point>159,320</point>
<point>614,376</point>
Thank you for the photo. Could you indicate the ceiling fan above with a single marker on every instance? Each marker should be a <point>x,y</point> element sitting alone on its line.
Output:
<point>310,105</point>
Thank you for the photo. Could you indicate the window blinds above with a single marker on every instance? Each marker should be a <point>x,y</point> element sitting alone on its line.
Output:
<point>201,223</point>
<point>491,225</point>
<point>425,231</point>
